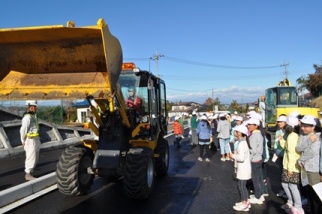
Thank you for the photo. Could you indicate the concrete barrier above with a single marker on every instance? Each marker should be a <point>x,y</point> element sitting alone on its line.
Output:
<point>9,198</point>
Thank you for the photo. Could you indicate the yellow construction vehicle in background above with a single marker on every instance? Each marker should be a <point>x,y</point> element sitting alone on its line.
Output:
<point>283,99</point>
<point>69,62</point>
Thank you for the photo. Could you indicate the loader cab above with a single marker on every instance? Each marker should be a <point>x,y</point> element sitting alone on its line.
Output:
<point>278,101</point>
<point>145,97</point>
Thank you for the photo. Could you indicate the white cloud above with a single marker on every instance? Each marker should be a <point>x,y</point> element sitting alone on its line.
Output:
<point>225,95</point>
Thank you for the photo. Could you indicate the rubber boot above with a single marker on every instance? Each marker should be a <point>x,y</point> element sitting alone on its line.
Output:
<point>29,177</point>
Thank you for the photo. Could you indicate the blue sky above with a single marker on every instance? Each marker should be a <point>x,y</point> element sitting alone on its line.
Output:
<point>231,49</point>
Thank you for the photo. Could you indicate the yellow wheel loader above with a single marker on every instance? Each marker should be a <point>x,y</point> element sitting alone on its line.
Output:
<point>69,62</point>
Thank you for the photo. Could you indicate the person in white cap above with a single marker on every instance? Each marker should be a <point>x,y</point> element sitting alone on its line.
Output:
<point>256,156</point>
<point>223,130</point>
<point>280,133</point>
<point>29,136</point>
<point>278,150</point>
<point>194,125</point>
<point>214,135</point>
<point>309,145</point>
<point>265,154</point>
<point>242,157</point>
<point>204,133</point>
<point>262,107</point>
<point>233,139</point>
<point>177,131</point>
<point>291,168</point>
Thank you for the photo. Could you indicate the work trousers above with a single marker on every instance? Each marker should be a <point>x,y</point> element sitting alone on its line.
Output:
<point>242,190</point>
<point>293,194</point>
<point>257,177</point>
<point>32,147</point>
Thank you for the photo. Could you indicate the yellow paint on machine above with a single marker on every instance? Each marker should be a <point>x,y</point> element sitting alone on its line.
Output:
<point>57,62</point>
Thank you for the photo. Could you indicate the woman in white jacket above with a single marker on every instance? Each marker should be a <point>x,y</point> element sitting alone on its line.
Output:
<point>243,166</point>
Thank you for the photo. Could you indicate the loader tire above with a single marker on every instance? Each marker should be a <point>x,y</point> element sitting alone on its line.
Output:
<point>72,176</point>
<point>162,162</point>
<point>139,174</point>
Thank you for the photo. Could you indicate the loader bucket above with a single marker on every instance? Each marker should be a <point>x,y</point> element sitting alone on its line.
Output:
<point>57,62</point>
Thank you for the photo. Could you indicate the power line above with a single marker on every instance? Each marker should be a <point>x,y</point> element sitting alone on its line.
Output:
<point>191,62</point>
<point>218,66</point>
<point>217,78</point>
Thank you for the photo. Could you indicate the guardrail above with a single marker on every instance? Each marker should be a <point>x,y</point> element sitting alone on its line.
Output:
<point>51,136</point>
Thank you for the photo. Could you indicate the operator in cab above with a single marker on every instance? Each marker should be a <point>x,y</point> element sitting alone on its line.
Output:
<point>133,101</point>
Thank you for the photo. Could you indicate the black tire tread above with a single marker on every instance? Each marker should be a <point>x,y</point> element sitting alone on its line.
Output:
<point>161,167</point>
<point>68,169</point>
<point>135,180</point>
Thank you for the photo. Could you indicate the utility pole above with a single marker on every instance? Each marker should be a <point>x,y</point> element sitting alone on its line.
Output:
<point>156,57</point>
<point>285,65</point>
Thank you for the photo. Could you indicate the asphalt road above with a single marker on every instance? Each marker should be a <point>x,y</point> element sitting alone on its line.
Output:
<point>190,187</point>
<point>12,169</point>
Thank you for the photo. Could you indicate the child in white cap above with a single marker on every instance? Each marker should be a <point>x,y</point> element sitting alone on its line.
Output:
<point>177,131</point>
<point>234,139</point>
<point>309,145</point>
<point>291,168</point>
<point>223,130</point>
<point>242,157</point>
<point>256,156</point>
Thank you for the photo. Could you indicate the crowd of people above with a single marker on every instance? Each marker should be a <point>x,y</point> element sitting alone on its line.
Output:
<point>297,151</point>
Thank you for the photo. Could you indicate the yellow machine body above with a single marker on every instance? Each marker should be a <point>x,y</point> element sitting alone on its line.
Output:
<point>57,62</point>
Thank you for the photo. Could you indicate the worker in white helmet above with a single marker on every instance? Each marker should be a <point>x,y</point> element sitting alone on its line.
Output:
<point>29,135</point>
<point>262,106</point>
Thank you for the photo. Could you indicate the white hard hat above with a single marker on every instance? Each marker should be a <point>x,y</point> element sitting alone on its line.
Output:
<point>294,114</point>
<point>239,118</point>
<point>242,128</point>
<point>253,121</point>
<point>176,118</point>
<point>31,103</point>
<point>281,119</point>
<point>203,117</point>
<point>292,121</point>
<point>251,113</point>
<point>308,119</point>
<point>256,116</point>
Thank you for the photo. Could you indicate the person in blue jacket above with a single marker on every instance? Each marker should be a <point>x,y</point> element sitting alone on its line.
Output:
<point>204,133</point>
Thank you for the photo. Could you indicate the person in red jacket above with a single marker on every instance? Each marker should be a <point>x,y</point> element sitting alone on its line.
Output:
<point>177,131</point>
<point>134,102</point>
